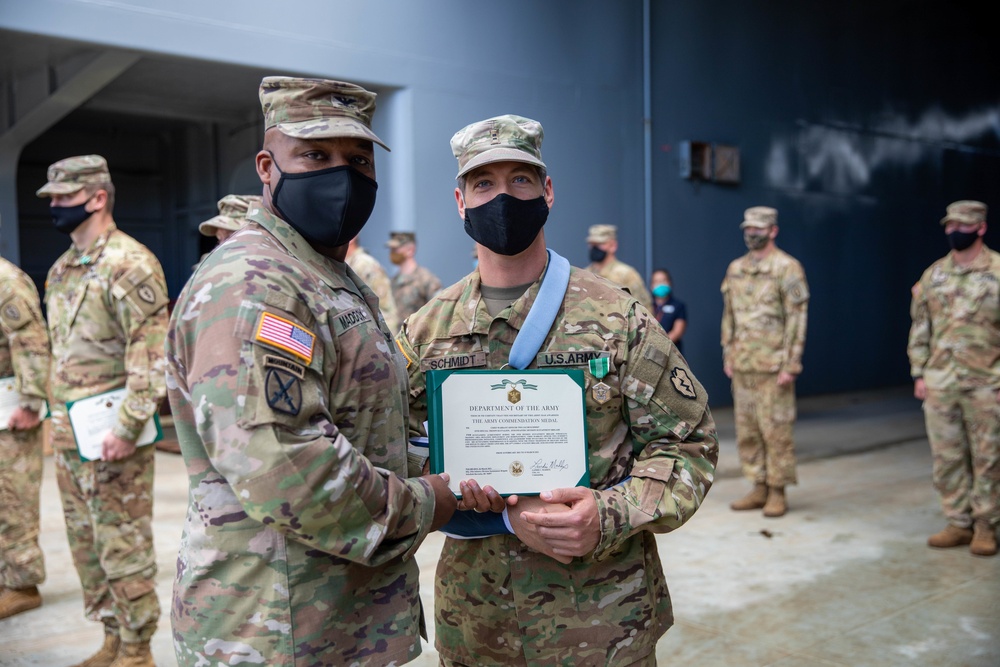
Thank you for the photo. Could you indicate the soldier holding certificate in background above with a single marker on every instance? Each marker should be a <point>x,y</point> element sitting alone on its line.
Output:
<point>106,298</point>
<point>579,581</point>
<point>24,373</point>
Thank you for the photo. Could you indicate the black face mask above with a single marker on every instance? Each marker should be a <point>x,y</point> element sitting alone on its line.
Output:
<point>67,218</point>
<point>962,240</point>
<point>505,224</point>
<point>597,255</point>
<point>327,207</point>
<point>755,241</point>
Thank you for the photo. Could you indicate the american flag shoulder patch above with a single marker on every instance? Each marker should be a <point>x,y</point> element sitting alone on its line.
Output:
<point>286,335</point>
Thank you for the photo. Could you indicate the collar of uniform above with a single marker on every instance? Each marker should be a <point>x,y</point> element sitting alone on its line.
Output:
<point>980,263</point>
<point>92,253</point>
<point>294,243</point>
<point>761,265</point>
<point>477,320</point>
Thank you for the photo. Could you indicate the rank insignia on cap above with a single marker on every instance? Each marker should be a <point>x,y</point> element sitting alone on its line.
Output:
<point>285,335</point>
<point>682,383</point>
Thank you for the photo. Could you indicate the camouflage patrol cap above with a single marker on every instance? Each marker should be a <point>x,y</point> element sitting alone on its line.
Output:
<point>397,239</point>
<point>501,139</point>
<point>233,211</point>
<point>72,174</point>
<point>966,211</point>
<point>602,234</point>
<point>759,216</point>
<point>317,108</point>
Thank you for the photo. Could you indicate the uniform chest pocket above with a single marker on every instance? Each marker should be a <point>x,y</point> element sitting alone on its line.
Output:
<point>76,304</point>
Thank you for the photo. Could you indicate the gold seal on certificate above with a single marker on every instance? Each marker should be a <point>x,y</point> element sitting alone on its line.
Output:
<point>520,432</point>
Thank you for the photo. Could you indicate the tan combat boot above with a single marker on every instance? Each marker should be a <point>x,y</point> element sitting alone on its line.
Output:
<point>951,536</point>
<point>107,653</point>
<point>775,505</point>
<point>752,501</point>
<point>134,654</point>
<point>16,600</point>
<point>984,539</point>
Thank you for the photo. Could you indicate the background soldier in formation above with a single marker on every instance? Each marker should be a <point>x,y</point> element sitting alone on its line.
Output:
<point>106,298</point>
<point>373,275</point>
<point>232,215</point>
<point>603,241</point>
<point>765,297</point>
<point>290,404</point>
<point>954,352</point>
<point>516,598</point>
<point>24,363</point>
<point>413,285</point>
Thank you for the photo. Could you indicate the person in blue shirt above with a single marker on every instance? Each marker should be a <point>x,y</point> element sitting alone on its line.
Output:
<point>670,312</point>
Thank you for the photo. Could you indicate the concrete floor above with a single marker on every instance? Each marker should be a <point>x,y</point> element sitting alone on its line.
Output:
<point>845,579</point>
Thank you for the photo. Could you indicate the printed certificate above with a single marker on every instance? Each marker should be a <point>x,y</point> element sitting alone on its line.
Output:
<point>520,432</point>
<point>92,418</point>
<point>10,399</point>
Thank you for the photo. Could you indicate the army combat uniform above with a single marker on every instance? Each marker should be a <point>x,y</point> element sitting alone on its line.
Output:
<point>24,355</point>
<point>413,290</point>
<point>652,453</point>
<point>290,405</point>
<point>107,321</point>
<point>764,333</point>
<point>954,346</point>
<point>624,275</point>
<point>372,273</point>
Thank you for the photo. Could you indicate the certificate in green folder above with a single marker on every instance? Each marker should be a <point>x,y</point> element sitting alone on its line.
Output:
<point>521,432</point>
<point>91,419</point>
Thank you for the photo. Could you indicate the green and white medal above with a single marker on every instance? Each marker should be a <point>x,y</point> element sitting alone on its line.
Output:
<point>599,367</point>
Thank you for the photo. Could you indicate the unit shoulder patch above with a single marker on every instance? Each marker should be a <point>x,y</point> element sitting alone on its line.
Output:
<point>283,391</point>
<point>15,314</point>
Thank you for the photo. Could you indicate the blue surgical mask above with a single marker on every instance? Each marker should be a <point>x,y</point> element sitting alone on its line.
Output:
<point>661,291</point>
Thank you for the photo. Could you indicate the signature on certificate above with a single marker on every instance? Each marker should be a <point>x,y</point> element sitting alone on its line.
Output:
<point>541,465</point>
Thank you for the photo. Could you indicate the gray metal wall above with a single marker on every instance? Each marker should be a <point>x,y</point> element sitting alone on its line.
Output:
<point>859,122</point>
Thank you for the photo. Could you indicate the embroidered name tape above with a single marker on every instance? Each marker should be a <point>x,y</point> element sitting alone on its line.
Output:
<point>285,335</point>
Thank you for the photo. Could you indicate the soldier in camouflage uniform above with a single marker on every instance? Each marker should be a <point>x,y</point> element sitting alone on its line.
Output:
<point>372,273</point>
<point>289,400</point>
<point>765,298</point>
<point>954,351</point>
<point>24,357</point>
<point>414,285</point>
<point>550,593</point>
<point>106,299</point>
<point>603,241</point>
<point>232,215</point>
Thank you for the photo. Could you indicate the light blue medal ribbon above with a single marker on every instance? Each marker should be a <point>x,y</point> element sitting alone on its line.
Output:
<point>543,312</point>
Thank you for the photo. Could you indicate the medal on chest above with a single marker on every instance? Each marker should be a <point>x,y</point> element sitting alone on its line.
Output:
<point>599,367</point>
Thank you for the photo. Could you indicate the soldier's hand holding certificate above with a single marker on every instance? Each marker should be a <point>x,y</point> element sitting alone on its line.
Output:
<point>92,418</point>
<point>521,432</point>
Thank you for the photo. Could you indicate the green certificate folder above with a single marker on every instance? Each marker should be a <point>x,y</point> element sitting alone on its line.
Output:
<point>521,432</point>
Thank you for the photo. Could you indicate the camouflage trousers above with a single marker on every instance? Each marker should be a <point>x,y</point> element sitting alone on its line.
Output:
<point>21,561</point>
<point>963,427</point>
<point>765,415</point>
<point>108,508</point>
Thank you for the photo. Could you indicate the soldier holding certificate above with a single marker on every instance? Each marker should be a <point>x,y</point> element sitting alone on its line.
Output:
<point>106,298</point>
<point>552,592</point>
<point>24,371</point>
